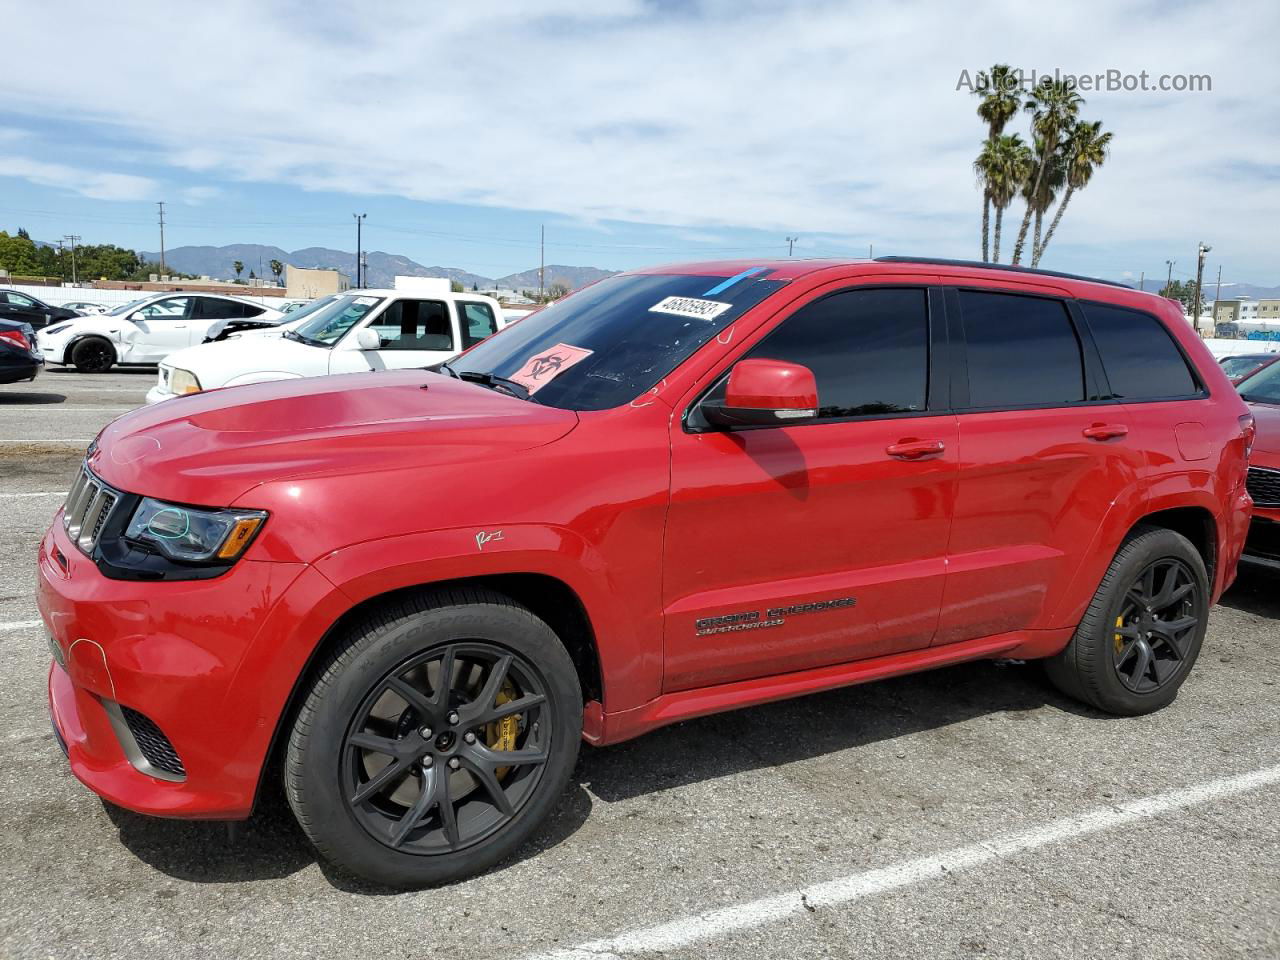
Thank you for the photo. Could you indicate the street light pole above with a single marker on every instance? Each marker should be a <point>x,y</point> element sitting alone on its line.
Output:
<point>1169,280</point>
<point>791,242</point>
<point>359,222</point>
<point>1201,250</point>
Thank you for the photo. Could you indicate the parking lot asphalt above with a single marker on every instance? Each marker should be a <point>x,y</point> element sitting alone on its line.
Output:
<point>903,811</point>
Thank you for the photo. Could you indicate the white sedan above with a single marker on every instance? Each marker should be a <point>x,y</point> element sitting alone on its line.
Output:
<point>361,330</point>
<point>142,332</point>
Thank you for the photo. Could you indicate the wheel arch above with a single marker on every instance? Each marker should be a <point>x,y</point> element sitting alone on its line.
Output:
<point>79,338</point>
<point>548,597</point>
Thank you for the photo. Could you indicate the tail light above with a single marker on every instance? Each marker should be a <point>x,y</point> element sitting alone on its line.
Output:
<point>16,336</point>
<point>1248,430</point>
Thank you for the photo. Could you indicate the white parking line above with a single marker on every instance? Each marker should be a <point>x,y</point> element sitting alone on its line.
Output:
<point>40,440</point>
<point>42,493</point>
<point>19,624</point>
<point>682,933</point>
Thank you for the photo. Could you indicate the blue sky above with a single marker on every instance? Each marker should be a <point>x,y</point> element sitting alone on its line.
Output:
<point>637,132</point>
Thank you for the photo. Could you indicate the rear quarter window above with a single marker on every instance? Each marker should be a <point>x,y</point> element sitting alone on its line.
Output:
<point>1139,355</point>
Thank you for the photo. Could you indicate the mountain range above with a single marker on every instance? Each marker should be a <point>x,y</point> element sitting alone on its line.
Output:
<point>383,268</point>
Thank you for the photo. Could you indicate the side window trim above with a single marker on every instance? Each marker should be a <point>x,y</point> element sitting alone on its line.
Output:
<point>939,375</point>
<point>1095,390</point>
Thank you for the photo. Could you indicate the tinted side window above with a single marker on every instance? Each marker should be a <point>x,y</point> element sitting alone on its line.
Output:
<point>211,308</point>
<point>868,349</point>
<point>1022,351</point>
<point>477,322</point>
<point>1139,355</point>
<point>249,310</point>
<point>415,325</point>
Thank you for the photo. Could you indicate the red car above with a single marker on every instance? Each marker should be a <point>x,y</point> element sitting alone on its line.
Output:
<point>678,491</point>
<point>1262,392</point>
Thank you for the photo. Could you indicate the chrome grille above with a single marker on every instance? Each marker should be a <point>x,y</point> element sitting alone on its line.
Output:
<point>89,505</point>
<point>1264,486</point>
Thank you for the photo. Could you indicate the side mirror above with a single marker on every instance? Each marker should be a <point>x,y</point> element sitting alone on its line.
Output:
<point>367,339</point>
<point>764,392</point>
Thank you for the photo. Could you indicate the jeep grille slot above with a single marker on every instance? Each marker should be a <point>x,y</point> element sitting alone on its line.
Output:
<point>1264,486</point>
<point>89,505</point>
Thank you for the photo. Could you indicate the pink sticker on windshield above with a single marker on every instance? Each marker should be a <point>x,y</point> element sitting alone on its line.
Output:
<point>546,366</point>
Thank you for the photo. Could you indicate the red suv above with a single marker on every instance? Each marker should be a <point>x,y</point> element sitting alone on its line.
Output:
<point>678,491</point>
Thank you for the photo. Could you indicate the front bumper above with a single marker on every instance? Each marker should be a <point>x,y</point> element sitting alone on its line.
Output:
<point>211,663</point>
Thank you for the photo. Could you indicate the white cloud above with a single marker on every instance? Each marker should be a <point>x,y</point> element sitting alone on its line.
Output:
<point>96,184</point>
<point>819,118</point>
<point>195,196</point>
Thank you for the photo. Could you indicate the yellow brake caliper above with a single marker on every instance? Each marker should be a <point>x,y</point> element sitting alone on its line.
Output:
<point>1119,639</point>
<point>501,734</point>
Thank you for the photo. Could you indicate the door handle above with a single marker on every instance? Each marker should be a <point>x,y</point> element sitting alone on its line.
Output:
<point>1105,431</point>
<point>915,449</point>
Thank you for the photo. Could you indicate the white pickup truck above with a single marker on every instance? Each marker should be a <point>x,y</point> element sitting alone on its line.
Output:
<point>360,330</point>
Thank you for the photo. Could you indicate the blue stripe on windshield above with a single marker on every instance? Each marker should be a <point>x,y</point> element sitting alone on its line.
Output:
<point>726,284</point>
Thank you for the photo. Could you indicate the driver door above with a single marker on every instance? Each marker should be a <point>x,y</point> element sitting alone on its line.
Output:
<point>412,333</point>
<point>791,547</point>
<point>160,328</point>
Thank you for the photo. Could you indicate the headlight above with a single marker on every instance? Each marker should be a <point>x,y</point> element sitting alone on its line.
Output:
<point>192,534</point>
<point>183,382</point>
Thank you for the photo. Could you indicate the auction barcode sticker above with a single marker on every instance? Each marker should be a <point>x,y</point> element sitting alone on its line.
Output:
<point>691,307</point>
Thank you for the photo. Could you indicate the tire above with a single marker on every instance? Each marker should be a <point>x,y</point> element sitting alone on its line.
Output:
<point>381,747</point>
<point>93,355</point>
<point>1129,657</point>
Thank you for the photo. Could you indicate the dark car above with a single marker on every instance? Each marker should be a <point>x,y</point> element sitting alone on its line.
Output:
<point>25,308</point>
<point>19,358</point>
<point>223,329</point>
<point>1243,365</point>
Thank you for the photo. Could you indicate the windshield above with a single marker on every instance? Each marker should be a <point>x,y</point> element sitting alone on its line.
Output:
<point>129,307</point>
<point>607,344</point>
<point>1235,366</point>
<point>1263,386</point>
<point>298,313</point>
<point>327,325</point>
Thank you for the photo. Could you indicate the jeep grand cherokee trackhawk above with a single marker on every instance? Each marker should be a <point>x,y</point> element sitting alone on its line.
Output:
<point>677,491</point>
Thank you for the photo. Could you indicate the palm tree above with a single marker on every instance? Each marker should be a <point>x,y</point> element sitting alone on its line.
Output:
<point>238,267</point>
<point>1053,107</point>
<point>1084,152</point>
<point>1040,195</point>
<point>277,268</point>
<point>1010,169</point>
<point>1001,99</point>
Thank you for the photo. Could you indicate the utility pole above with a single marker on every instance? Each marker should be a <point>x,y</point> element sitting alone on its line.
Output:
<point>1217,294</point>
<point>160,204</point>
<point>791,242</point>
<point>74,239</point>
<point>1168,283</point>
<point>1201,249</point>
<point>871,251</point>
<point>359,222</point>
<point>542,260</point>
<point>1142,280</point>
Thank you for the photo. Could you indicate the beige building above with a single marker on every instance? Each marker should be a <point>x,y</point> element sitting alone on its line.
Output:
<point>1236,311</point>
<point>307,284</point>
<point>1269,309</point>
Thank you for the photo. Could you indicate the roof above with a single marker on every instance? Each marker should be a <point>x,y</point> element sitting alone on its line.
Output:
<point>790,268</point>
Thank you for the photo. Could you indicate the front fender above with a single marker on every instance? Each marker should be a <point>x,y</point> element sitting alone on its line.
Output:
<point>628,640</point>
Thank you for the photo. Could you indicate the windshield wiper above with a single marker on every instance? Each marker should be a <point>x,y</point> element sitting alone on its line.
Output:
<point>495,382</point>
<point>295,335</point>
<point>447,369</point>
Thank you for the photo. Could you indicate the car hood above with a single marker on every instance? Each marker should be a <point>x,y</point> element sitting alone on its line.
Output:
<point>210,448</point>
<point>215,364</point>
<point>1266,418</point>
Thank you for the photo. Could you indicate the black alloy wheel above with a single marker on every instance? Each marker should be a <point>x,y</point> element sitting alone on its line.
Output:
<point>93,355</point>
<point>447,748</point>
<point>1156,625</point>
<point>1142,632</point>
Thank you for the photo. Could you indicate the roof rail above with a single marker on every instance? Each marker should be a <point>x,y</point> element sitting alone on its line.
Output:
<point>944,262</point>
